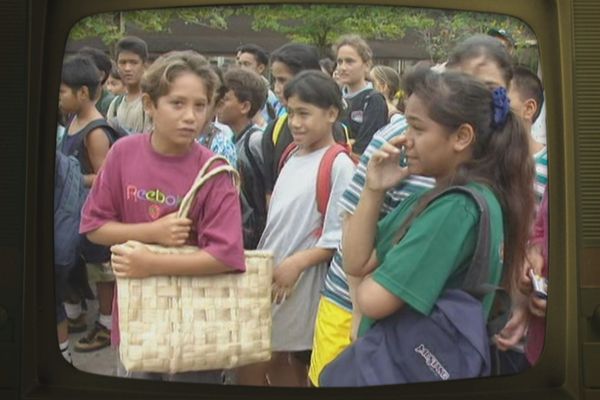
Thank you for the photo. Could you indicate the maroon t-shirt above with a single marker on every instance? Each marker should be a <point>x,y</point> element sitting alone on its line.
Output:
<point>136,184</point>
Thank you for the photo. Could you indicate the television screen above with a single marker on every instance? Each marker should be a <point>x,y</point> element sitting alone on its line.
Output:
<point>542,39</point>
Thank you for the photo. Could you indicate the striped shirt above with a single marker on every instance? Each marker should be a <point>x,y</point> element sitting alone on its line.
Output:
<point>336,284</point>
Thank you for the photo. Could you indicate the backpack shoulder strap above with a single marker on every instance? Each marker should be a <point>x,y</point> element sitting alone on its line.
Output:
<point>117,101</point>
<point>111,133</point>
<point>478,271</point>
<point>476,277</point>
<point>248,151</point>
<point>281,121</point>
<point>271,110</point>
<point>97,123</point>
<point>285,156</point>
<point>324,176</point>
<point>372,92</point>
<point>367,97</point>
<point>324,184</point>
<point>78,144</point>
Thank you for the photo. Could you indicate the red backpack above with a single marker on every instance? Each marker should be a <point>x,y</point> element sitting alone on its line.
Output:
<point>323,175</point>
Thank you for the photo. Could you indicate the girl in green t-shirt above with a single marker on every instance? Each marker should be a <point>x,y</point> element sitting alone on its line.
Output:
<point>460,133</point>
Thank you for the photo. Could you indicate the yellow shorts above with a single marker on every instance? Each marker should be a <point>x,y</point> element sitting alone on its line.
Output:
<point>332,335</point>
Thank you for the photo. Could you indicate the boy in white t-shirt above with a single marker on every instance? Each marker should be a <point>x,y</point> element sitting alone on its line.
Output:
<point>127,111</point>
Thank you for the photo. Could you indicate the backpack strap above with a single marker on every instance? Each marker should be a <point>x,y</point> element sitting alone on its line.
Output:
<point>78,144</point>
<point>102,123</point>
<point>281,121</point>
<point>324,176</point>
<point>257,191</point>
<point>285,156</point>
<point>118,100</point>
<point>271,110</point>
<point>324,184</point>
<point>250,156</point>
<point>477,275</point>
<point>370,93</point>
<point>368,97</point>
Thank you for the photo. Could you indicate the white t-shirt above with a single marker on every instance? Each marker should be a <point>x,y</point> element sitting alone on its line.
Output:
<point>130,115</point>
<point>292,219</point>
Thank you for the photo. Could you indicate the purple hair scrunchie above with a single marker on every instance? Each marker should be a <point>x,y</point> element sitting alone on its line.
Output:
<point>501,107</point>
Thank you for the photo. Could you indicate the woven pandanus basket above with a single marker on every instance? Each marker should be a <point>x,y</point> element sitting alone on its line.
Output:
<point>175,324</point>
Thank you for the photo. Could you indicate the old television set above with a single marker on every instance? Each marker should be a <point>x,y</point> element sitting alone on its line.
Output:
<point>31,366</point>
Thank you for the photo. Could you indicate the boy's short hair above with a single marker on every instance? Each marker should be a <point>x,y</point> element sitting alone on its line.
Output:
<point>297,57</point>
<point>260,54</point>
<point>80,71</point>
<point>158,78</point>
<point>247,86</point>
<point>317,88</point>
<point>529,86</point>
<point>100,58</point>
<point>134,45</point>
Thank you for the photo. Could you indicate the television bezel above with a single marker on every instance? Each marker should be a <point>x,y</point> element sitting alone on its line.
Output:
<point>43,372</point>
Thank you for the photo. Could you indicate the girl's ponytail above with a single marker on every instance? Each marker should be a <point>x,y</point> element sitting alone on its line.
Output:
<point>514,177</point>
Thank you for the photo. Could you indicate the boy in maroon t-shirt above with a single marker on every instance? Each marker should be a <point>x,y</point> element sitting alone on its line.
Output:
<point>146,176</point>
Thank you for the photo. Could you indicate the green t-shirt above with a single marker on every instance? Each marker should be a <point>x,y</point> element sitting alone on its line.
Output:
<point>436,250</point>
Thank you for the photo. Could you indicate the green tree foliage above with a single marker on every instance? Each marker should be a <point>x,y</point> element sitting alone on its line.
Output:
<point>111,27</point>
<point>322,25</point>
<point>438,30</point>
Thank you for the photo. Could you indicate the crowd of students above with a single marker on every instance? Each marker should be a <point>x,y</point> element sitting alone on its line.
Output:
<point>335,158</point>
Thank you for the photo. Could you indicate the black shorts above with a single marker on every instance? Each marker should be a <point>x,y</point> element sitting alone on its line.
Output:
<point>303,356</point>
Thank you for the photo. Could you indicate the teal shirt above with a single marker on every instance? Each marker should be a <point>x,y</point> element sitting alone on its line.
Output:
<point>435,252</point>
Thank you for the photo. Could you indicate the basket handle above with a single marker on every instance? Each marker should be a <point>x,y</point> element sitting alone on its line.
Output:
<point>202,178</point>
<point>207,165</point>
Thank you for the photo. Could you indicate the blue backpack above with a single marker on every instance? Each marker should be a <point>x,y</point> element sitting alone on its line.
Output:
<point>69,195</point>
<point>408,347</point>
<point>91,252</point>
